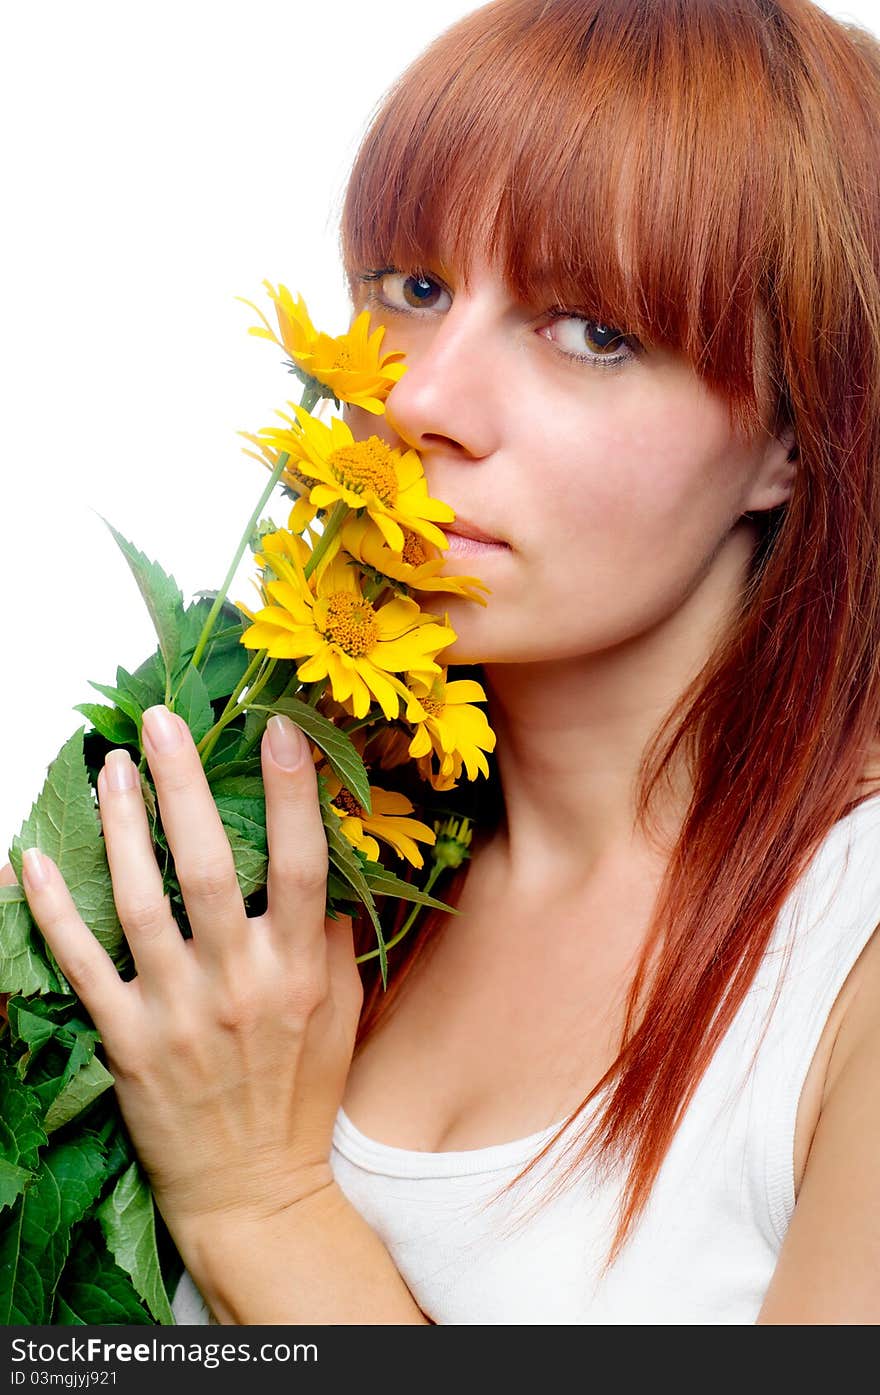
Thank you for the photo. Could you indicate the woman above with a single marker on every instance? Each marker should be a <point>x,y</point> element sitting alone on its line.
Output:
<point>663,986</point>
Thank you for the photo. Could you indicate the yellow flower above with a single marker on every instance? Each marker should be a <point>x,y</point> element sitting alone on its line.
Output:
<point>415,566</point>
<point>389,485</point>
<point>328,622</point>
<point>456,732</point>
<point>349,364</point>
<point>435,778</point>
<point>386,747</point>
<point>387,821</point>
<point>286,555</point>
<point>290,476</point>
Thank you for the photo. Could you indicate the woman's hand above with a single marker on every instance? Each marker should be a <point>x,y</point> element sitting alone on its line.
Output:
<point>230,1050</point>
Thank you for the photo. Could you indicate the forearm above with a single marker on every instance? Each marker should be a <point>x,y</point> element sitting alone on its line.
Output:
<point>316,1262</point>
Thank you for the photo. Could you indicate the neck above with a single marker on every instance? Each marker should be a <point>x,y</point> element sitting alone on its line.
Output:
<point>572,734</point>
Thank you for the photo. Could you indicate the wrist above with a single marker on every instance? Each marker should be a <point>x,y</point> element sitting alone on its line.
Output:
<point>228,1226</point>
<point>313,1259</point>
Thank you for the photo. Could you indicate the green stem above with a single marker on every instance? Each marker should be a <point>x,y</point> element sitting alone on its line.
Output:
<point>206,745</point>
<point>309,398</point>
<point>360,722</point>
<point>210,738</point>
<point>259,658</point>
<point>239,553</point>
<point>257,687</point>
<point>331,528</point>
<point>389,944</point>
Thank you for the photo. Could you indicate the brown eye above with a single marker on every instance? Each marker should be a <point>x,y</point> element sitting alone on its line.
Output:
<point>420,291</point>
<point>408,292</point>
<point>601,337</point>
<point>588,341</point>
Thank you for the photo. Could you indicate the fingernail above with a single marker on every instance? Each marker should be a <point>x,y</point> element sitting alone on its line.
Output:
<point>33,867</point>
<point>286,742</point>
<point>163,729</point>
<point>119,770</point>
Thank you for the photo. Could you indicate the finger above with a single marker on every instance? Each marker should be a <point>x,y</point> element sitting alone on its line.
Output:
<point>144,909</point>
<point>296,889</point>
<point>83,961</point>
<point>202,855</point>
<point>348,986</point>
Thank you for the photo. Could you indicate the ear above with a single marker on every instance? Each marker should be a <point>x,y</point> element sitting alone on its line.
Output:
<point>776,474</point>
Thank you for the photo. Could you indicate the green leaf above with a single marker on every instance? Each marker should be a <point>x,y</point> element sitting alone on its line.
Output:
<point>230,765</point>
<point>343,759</point>
<point>146,686</point>
<point>339,891</point>
<point>93,1290</point>
<point>225,755</point>
<point>13,1180</point>
<point>24,955</point>
<point>241,803</point>
<point>35,1232</point>
<point>129,1225</point>
<point>21,1130</point>
<point>114,1137</point>
<point>90,1081</point>
<point>193,704</point>
<point>162,595</point>
<point>117,726</point>
<point>35,1020</point>
<point>386,883</point>
<point>224,659</point>
<point>35,1028</point>
<point>64,823</point>
<point>58,1068</point>
<point>282,682</point>
<point>251,865</point>
<point>124,701</point>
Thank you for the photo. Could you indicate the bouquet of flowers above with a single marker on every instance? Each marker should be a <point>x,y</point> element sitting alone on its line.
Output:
<point>339,643</point>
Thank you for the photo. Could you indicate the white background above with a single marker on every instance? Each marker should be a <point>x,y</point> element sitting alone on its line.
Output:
<point>158,161</point>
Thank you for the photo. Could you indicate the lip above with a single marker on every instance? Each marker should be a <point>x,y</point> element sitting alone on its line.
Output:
<point>463,528</point>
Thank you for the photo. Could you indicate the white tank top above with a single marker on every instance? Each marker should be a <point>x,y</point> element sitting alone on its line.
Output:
<point>706,1246</point>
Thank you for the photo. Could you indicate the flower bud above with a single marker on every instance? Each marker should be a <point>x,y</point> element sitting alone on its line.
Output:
<point>453,842</point>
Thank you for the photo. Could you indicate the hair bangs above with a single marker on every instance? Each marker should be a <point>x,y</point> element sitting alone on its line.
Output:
<point>593,171</point>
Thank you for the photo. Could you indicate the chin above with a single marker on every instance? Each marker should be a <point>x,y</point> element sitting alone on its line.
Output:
<point>466,650</point>
<point>460,651</point>
<point>481,635</point>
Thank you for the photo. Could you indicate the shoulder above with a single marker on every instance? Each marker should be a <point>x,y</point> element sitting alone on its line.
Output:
<point>827,1269</point>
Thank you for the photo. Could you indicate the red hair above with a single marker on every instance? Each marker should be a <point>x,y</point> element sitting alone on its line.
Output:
<point>704,175</point>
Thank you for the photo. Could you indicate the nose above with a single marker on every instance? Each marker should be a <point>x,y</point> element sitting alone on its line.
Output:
<point>444,403</point>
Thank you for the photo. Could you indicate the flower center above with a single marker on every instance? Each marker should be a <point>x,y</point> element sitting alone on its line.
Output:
<point>435,701</point>
<point>413,548</point>
<point>346,800</point>
<point>366,467</point>
<point>297,480</point>
<point>351,623</point>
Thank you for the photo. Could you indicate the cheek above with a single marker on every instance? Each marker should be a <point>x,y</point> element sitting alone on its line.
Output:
<point>665,474</point>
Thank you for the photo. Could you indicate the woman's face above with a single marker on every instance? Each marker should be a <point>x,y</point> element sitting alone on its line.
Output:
<point>615,488</point>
